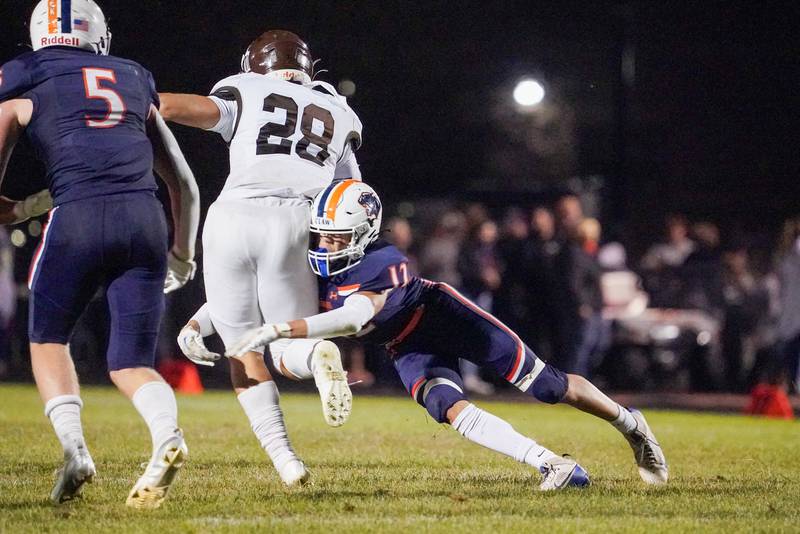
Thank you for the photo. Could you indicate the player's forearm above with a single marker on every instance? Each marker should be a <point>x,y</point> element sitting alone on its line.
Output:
<point>171,165</point>
<point>201,321</point>
<point>345,321</point>
<point>190,110</point>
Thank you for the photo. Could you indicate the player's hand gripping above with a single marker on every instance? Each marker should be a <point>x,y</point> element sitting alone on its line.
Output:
<point>191,343</point>
<point>257,338</point>
<point>179,272</point>
<point>33,206</point>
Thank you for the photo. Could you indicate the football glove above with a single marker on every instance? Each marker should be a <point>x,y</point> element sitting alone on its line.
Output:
<point>257,338</point>
<point>179,272</point>
<point>33,206</point>
<point>191,343</point>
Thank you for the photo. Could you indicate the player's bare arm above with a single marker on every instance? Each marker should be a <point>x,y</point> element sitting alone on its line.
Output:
<point>170,164</point>
<point>190,110</point>
<point>14,117</point>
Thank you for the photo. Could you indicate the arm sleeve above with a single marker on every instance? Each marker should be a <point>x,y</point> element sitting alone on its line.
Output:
<point>356,311</point>
<point>203,318</point>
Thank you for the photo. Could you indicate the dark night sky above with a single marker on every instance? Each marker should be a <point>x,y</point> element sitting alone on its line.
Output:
<point>707,126</point>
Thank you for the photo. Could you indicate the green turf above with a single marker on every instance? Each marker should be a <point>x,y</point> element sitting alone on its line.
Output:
<point>391,468</point>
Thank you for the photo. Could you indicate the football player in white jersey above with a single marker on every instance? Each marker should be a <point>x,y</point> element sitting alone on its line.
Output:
<point>289,137</point>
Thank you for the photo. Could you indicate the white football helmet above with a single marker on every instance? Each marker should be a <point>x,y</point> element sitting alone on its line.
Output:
<point>348,207</point>
<point>78,23</point>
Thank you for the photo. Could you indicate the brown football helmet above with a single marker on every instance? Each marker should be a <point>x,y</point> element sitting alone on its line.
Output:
<point>280,53</point>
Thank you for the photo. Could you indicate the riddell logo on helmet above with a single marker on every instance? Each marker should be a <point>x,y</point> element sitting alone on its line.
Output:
<point>60,40</point>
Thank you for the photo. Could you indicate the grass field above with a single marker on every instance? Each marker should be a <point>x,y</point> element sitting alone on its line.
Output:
<point>391,468</point>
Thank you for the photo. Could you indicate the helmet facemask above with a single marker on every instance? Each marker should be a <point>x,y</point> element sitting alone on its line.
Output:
<point>325,263</point>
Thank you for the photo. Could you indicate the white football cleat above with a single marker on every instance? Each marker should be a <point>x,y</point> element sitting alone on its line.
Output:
<point>294,473</point>
<point>151,488</point>
<point>77,470</point>
<point>331,381</point>
<point>647,452</point>
<point>559,472</point>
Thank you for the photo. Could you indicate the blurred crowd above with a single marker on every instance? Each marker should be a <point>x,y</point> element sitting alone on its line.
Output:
<point>692,312</point>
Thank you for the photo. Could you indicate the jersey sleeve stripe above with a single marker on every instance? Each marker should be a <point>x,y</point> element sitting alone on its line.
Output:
<point>231,93</point>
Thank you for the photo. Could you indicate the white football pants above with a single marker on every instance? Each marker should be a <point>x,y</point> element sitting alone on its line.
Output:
<point>255,264</point>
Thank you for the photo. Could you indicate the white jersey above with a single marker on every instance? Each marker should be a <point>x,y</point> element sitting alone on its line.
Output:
<point>286,139</point>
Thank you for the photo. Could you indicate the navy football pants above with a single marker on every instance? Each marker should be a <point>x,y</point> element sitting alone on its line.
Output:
<point>452,327</point>
<point>116,242</point>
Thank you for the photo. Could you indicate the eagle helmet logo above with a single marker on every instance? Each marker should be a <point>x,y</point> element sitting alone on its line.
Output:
<point>371,204</point>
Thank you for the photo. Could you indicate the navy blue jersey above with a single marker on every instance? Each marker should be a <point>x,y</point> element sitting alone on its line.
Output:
<point>383,267</point>
<point>88,123</point>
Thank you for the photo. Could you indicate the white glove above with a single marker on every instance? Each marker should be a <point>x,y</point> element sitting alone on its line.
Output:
<point>191,343</point>
<point>178,272</point>
<point>257,338</point>
<point>33,206</point>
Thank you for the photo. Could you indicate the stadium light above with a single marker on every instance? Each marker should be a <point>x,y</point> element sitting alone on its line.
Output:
<point>528,93</point>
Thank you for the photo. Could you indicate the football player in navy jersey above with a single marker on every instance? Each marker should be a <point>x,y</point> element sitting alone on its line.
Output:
<point>93,121</point>
<point>426,327</point>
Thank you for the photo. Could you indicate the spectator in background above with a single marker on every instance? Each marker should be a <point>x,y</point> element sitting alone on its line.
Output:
<point>701,273</point>
<point>439,257</point>
<point>479,270</point>
<point>479,265</point>
<point>674,252</point>
<point>511,298</point>
<point>589,236</point>
<point>542,298</point>
<point>399,233</point>
<point>8,298</point>
<point>662,262</point>
<point>569,216</point>
<point>578,297</point>
<point>746,305</point>
<point>789,318</point>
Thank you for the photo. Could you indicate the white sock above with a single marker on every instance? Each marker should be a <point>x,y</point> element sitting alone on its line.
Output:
<point>261,405</point>
<point>493,433</point>
<point>624,422</point>
<point>64,412</point>
<point>155,402</point>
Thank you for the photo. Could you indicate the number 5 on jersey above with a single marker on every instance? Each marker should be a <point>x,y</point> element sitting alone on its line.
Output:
<point>116,107</point>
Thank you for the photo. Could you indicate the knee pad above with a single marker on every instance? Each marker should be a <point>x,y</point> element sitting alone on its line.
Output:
<point>295,354</point>
<point>550,385</point>
<point>437,391</point>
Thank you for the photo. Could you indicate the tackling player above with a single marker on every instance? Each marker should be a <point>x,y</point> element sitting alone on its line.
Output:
<point>426,327</point>
<point>289,137</point>
<point>93,121</point>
